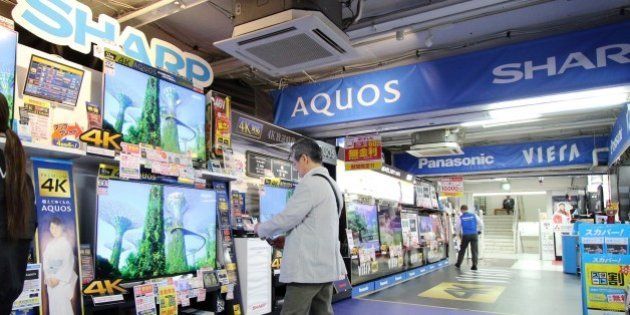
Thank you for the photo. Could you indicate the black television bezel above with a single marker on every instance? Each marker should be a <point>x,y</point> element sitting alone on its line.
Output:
<point>56,65</point>
<point>95,244</point>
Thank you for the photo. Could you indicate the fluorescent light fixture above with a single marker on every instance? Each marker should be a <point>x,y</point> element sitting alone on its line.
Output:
<point>506,186</point>
<point>524,193</point>
<point>532,109</point>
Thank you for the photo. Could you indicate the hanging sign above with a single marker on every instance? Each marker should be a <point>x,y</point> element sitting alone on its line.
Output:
<point>222,125</point>
<point>530,155</point>
<point>57,236</point>
<point>70,23</point>
<point>363,152</point>
<point>451,186</point>
<point>620,136</point>
<point>574,61</point>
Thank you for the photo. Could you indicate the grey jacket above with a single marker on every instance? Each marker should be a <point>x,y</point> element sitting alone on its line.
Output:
<point>311,221</point>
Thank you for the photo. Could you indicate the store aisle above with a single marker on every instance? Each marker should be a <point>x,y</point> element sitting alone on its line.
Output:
<point>499,287</point>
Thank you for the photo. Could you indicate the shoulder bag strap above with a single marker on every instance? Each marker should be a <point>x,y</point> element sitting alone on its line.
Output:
<point>333,189</point>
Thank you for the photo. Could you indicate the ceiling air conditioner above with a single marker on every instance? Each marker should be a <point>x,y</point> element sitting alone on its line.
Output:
<point>289,42</point>
<point>436,143</point>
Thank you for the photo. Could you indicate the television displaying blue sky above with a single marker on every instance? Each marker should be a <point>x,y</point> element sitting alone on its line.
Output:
<point>190,111</point>
<point>8,44</point>
<point>272,201</point>
<point>129,199</point>
<point>200,217</point>
<point>130,82</point>
<point>368,212</point>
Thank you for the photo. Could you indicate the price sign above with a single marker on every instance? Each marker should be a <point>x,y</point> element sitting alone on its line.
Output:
<point>102,139</point>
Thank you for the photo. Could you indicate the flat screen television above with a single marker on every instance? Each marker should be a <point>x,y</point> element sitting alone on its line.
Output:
<point>182,120</point>
<point>363,222</point>
<point>147,109</point>
<point>147,230</point>
<point>272,201</point>
<point>53,81</point>
<point>390,226</point>
<point>8,46</point>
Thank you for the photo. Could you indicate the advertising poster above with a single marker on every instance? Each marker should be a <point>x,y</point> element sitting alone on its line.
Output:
<point>8,46</point>
<point>35,120</point>
<point>606,276</point>
<point>363,152</point>
<point>144,296</point>
<point>57,237</point>
<point>222,124</point>
<point>31,292</point>
<point>168,300</point>
<point>451,186</point>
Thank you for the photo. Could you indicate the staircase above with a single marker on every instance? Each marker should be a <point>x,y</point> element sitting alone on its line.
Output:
<point>498,235</point>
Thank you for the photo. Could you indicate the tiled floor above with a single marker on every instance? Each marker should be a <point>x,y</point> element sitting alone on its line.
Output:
<point>501,286</point>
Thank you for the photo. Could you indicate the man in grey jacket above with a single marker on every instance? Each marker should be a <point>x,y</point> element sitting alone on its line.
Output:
<point>312,258</point>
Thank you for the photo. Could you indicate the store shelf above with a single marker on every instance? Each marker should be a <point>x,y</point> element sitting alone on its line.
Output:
<point>48,151</point>
<point>208,175</point>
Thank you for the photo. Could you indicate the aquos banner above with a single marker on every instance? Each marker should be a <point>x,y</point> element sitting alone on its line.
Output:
<point>574,61</point>
<point>531,155</point>
<point>620,137</point>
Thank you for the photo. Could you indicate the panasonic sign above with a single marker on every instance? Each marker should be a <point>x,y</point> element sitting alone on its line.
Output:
<point>558,65</point>
<point>456,162</point>
<point>70,23</point>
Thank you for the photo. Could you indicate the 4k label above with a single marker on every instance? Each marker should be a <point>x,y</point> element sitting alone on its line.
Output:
<point>102,139</point>
<point>54,183</point>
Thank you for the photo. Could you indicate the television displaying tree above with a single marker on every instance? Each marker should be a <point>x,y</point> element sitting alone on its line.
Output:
<point>118,216</point>
<point>148,128</point>
<point>176,247</point>
<point>170,135</point>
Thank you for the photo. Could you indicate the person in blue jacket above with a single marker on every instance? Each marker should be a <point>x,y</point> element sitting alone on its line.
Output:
<point>468,227</point>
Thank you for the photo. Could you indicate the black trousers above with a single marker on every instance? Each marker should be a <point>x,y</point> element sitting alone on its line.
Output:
<point>473,240</point>
<point>13,258</point>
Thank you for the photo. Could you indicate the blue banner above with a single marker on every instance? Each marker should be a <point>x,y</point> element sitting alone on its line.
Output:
<point>605,267</point>
<point>620,136</point>
<point>482,159</point>
<point>57,236</point>
<point>574,61</point>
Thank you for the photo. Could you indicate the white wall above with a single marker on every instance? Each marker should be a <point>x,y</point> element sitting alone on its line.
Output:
<point>91,89</point>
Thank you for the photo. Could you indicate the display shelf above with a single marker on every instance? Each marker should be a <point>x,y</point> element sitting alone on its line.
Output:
<point>209,175</point>
<point>47,151</point>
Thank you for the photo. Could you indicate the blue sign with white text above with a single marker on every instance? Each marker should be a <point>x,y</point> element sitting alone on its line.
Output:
<point>574,61</point>
<point>544,154</point>
<point>620,136</point>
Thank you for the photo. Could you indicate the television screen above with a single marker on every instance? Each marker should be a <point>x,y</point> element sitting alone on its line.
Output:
<point>362,221</point>
<point>149,110</point>
<point>390,226</point>
<point>182,120</point>
<point>272,201</point>
<point>53,81</point>
<point>151,230</point>
<point>131,107</point>
<point>8,46</point>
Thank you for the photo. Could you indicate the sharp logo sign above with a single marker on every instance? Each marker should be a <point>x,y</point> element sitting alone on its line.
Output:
<point>367,95</point>
<point>70,23</point>
<point>514,72</point>
<point>555,153</point>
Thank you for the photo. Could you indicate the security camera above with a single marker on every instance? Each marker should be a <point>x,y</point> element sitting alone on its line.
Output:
<point>540,180</point>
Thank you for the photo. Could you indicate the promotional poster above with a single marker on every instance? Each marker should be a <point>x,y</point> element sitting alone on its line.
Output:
<point>57,237</point>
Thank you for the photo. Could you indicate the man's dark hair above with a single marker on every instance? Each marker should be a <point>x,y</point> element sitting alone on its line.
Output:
<point>464,208</point>
<point>306,147</point>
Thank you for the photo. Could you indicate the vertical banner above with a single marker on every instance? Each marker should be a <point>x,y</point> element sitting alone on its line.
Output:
<point>222,128</point>
<point>605,268</point>
<point>57,237</point>
<point>363,152</point>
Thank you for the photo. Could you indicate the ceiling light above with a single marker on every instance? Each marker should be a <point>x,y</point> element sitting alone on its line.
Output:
<point>506,186</point>
<point>503,121</point>
<point>429,41</point>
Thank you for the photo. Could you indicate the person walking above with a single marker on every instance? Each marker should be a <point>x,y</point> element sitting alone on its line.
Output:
<point>17,213</point>
<point>468,227</point>
<point>312,252</point>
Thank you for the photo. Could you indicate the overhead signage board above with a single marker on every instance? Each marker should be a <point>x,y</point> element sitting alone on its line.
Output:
<point>70,23</point>
<point>517,156</point>
<point>261,131</point>
<point>620,136</point>
<point>568,62</point>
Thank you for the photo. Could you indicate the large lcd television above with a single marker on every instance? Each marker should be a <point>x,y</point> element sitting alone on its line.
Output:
<point>53,81</point>
<point>151,110</point>
<point>390,226</point>
<point>272,201</point>
<point>147,230</point>
<point>363,222</point>
<point>8,46</point>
